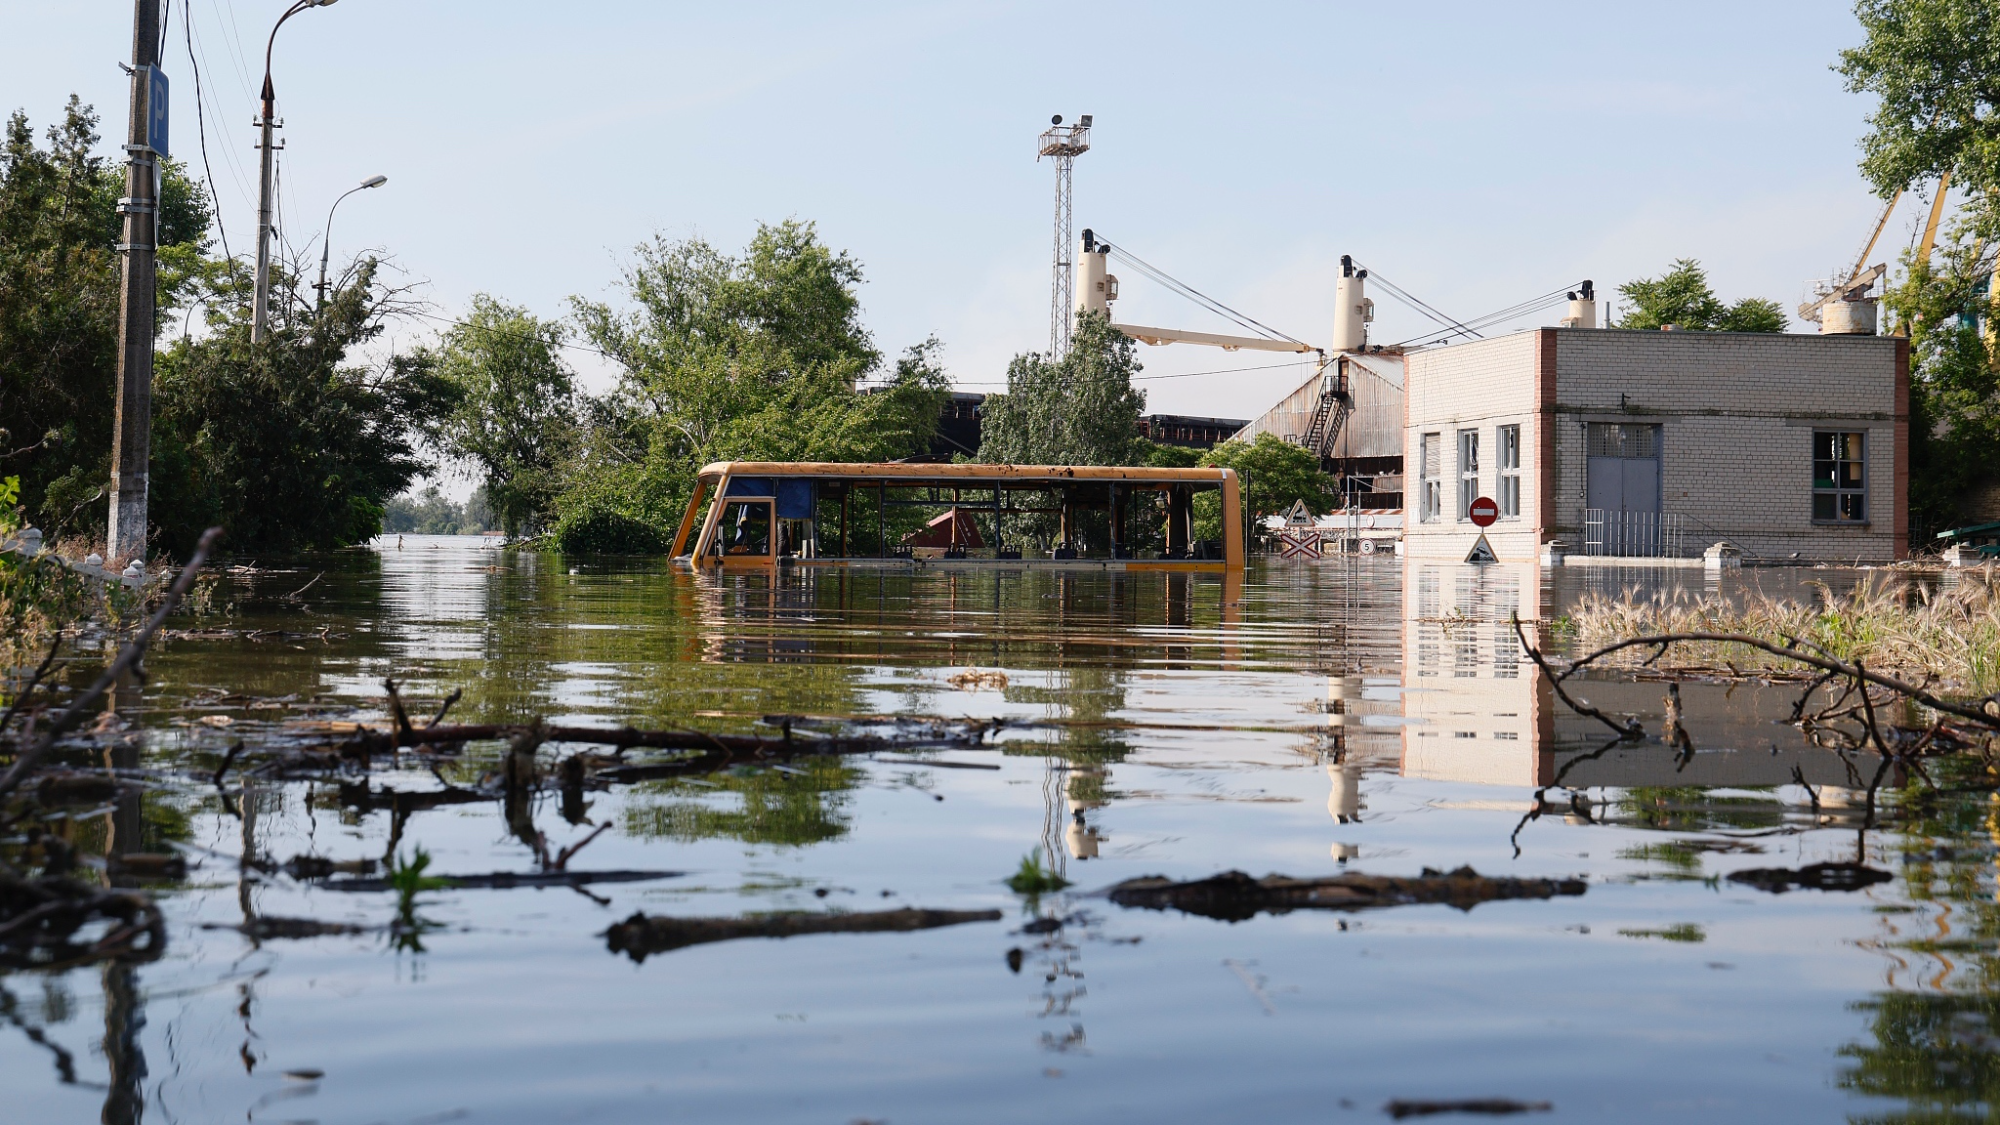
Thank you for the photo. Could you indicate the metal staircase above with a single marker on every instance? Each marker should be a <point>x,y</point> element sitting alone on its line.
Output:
<point>1335,404</point>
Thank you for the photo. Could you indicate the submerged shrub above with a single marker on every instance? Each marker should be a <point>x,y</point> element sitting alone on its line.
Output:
<point>600,531</point>
<point>1034,879</point>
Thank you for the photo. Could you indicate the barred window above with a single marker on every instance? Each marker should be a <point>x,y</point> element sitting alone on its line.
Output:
<point>1840,477</point>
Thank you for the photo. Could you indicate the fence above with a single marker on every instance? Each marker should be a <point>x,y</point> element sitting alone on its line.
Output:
<point>1643,535</point>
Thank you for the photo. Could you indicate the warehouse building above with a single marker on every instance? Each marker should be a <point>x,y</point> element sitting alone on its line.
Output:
<point>1622,444</point>
<point>1366,453</point>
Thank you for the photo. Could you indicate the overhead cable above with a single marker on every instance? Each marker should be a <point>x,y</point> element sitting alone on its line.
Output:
<point>1183,289</point>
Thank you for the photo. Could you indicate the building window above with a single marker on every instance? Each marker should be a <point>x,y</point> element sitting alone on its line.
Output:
<point>1431,501</point>
<point>1840,477</point>
<point>1468,471</point>
<point>1510,472</point>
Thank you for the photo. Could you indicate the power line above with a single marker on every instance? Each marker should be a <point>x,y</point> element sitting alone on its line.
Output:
<point>201,126</point>
<point>229,154</point>
<point>1191,293</point>
<point>1150,378</point>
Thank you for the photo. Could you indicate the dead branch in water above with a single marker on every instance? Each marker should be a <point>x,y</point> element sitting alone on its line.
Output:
<point>128,659</point>
<point>39,920</point>
<point>1795,651</point>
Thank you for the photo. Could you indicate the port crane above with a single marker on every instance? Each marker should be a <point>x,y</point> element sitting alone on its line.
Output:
<point>1844,306</point>
<point>1096,287</point>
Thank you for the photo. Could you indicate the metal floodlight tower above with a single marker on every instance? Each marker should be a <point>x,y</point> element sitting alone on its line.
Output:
<point>1064,143</point>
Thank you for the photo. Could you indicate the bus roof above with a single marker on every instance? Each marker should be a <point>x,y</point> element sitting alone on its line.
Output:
<point>1021,474</point>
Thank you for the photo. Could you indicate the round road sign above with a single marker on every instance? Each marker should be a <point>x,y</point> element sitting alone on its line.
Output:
<point>1484,512</point>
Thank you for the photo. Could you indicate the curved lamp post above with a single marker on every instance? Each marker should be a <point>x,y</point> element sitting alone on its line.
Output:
<point>326,243</point>
<point>259,312</point>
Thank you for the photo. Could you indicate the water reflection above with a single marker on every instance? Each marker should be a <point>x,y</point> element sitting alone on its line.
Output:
<point>1480,711</point>
<point>1377,714</point>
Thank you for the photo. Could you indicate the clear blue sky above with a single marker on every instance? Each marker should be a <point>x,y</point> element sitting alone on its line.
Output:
<point>1477,154</point>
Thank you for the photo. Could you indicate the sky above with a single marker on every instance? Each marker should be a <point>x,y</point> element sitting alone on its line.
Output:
<point>1475,154</point>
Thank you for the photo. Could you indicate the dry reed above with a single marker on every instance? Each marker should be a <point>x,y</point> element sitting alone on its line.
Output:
<point>1948,636</point>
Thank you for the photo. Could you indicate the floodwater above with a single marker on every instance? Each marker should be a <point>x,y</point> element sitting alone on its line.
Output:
<point>1368,715</point>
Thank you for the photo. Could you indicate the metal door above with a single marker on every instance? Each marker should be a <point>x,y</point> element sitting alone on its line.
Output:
<point>1622,487</point>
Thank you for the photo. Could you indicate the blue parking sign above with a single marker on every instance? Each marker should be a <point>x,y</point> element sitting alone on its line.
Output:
<point>156,109</point>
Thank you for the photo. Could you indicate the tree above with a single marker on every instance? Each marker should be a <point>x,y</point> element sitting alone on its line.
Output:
<point>1276,475</point>
<point>59,296</point>
<point>1080,409</point>
<point>758,357</point>
<point>1934,66</point>
<point>516,417</point>
<point>1682,297</point>
<point>431,512</point>
<point>283,442</point>
<point>1954,389</point>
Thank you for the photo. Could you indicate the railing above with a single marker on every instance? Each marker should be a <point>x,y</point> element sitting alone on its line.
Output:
<point>1642,535</point>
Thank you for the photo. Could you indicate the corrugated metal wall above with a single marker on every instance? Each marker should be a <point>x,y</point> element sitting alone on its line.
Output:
<point>1374,430</point>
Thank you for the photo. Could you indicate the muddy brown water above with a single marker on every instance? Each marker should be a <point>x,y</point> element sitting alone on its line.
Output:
<point>1369,716</point>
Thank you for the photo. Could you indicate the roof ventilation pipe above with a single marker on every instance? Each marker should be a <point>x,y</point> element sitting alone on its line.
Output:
<point>1352,310</point>
<point>1582,308</point>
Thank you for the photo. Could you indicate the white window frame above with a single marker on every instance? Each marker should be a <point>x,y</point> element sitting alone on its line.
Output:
<point>1430,489</point>
<point>1468,472</point>
<point>1507,449</point>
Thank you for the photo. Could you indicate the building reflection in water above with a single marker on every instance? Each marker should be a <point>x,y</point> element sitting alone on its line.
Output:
<point>1479,710</point>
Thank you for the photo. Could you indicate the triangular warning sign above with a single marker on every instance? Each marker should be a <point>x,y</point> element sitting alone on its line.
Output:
<point>1299,516</point>
<point>1482,552</point>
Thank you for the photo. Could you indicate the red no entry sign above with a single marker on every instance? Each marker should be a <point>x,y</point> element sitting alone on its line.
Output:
<point>1484,512</point>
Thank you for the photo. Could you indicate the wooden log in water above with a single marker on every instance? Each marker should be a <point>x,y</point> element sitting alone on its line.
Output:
<point>1235,896</point>
<point>642,934</point>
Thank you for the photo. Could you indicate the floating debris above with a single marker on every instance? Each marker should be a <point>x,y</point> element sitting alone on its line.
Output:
<point>40,918</point>
<point>1234,896</point>
<point>642,934</point>
<point>973,680</point>
<point>1813,877</point>
<point>1491,1107</point>
<point>268,927</point>
<point>506,880</point>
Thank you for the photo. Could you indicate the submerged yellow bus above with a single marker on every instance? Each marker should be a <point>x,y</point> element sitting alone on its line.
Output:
<point>812,513</point>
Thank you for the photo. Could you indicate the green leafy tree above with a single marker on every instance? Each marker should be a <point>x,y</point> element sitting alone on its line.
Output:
<point>1276,475</point>
<point>431,512</point>
<point>1954,389</point>
<point>1682,297</point>
<point>1080,409</point>
<point>757,357</point>
<point>1934,68</point>
<point>285,442</point>
<point>516,418</point>
<point>59,296</point>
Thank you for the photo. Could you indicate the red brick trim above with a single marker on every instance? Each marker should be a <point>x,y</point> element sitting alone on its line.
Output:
<point>1545,434</point>
<point>1901,524</point>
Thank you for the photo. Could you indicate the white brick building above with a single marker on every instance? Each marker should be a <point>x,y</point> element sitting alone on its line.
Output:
<point>1650,443</point>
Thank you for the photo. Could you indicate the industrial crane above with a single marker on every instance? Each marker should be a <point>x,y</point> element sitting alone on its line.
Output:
<point>1097,287</point>
<point>1845,307</point>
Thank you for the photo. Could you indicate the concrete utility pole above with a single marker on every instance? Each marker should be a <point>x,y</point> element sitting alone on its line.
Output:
<point>266,122</point>
<point>132,448</point>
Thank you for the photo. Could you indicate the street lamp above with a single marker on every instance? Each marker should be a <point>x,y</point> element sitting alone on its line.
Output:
<point>326,243</point>
<point>265,123</point>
